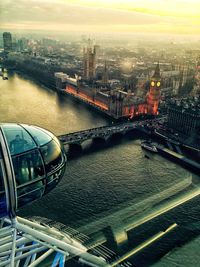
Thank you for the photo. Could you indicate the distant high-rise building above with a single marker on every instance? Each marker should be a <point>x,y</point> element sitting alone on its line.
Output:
<point>7,41</point>
<point>184,75</point>
<point>105,74</point>
<point>89,62</point>
<point>196,89</point>
<point>153,97</point>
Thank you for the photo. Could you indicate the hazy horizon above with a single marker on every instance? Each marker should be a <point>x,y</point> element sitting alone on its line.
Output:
<point>130,17</point>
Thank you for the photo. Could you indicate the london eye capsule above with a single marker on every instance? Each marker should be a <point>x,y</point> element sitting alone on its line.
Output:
<point>32,162</point>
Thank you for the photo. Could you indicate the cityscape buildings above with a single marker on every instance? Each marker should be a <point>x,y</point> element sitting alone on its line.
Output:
<point>114,99</point>
<point>7,42</point>
<point>184,117</point>
<point>89,61</point>
<point>118,83</point>
<point>153,97</point>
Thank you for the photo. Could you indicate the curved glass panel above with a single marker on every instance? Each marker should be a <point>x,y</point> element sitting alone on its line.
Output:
<point>52,155</point>
<point>54,178</point>
<point>30,192</point>
<point>29,176</point>
<point>39,136</point>
<point>18,139</point>
<point>58,142</point>
<point>45,131</point>
<point>1,180</point>
<point>28,167</point>
<point>3,202</point>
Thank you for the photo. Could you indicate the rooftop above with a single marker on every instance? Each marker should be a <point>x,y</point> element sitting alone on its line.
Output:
<point>191,105</point>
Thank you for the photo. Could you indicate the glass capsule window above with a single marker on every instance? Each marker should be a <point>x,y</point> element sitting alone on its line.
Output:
<point>18,139</point>
<point>1,179</point>
<point>45,131</point>
<point>29,176</point>
<point>38,160</point>
<point>40,136</point>
<point>3,200</point>
<point>28,166</point>
<point>52,156</point>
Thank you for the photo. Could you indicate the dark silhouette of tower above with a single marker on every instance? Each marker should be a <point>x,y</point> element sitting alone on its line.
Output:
<point>105,74</point>
<point>89,62</point>
<point>153,97</point>
<point>7,42</point>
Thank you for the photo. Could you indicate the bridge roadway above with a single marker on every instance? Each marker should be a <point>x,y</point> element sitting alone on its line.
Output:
<point>105,132</point>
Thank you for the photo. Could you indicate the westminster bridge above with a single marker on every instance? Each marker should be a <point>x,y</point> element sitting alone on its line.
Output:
<point>107,132</point>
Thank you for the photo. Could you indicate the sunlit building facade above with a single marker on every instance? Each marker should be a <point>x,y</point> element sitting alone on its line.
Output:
<point>114,101</point>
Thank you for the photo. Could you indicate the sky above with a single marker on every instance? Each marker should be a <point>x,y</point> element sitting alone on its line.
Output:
<point>117,16</point>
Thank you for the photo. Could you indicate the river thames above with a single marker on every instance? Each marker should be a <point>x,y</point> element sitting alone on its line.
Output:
<point>103,182</point>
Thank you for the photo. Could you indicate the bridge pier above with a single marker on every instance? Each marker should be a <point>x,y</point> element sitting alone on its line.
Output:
<point>170,146</point>
<point>120,236</point>
<point>116,237</point>
<point>115,137</point>
<point>74,149</point>
<point>99,140</point>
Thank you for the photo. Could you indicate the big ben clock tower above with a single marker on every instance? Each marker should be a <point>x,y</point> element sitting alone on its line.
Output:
<point>153,97</point>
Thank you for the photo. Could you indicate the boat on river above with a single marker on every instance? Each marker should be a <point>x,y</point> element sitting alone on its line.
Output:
<point>149,146</point>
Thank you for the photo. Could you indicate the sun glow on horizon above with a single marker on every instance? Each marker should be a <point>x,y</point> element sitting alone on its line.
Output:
<point>177,8</point>
<point>123,16</point>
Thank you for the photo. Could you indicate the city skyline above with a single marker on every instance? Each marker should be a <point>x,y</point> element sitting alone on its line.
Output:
<point>105,96</point>
<point>156,16</point>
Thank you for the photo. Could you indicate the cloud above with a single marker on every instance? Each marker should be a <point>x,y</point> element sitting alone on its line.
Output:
<point>59,12</point>
<point>77,15</point>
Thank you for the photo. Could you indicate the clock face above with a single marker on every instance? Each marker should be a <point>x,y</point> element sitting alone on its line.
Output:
<point>158,84</point>
<point>152,83</point>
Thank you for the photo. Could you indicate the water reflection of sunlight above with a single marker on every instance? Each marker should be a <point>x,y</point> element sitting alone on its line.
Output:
<point>165,207</point>
<point>128,211</point>
<point>138,214</point>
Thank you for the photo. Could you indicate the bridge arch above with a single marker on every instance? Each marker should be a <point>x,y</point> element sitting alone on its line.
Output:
<point>115,137</point>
